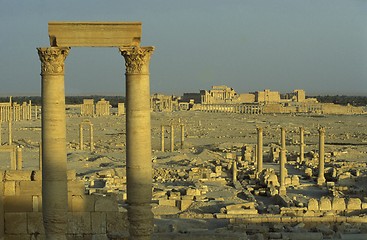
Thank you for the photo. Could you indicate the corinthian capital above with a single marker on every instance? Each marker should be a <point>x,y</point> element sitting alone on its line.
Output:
<point>52,59</point>
<point>322,130</point>
<point>137,59</point>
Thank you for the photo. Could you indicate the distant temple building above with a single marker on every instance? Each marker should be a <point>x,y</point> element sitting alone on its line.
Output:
<point>222,98</point>
<point>163,103</point>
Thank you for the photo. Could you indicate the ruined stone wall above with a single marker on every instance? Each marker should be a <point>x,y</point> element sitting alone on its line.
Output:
<point>88,215</point>
<point>247,98</point>
<point>330,108</point>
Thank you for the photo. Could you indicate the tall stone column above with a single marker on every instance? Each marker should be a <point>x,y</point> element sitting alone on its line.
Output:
<point>172,138</point>
<point>138,141</point>
<point>259,149</point>
<point>1,211</point>
<point>282,189</point>
<point>91,137</point>
<point>301,144</point>
<point>10,126</point>
<point>321,179</point>
<point>182,136</point>
<point>283,145</point>
<point>54,161</point>
<point>162,138</point>
<point>234,171</point>
<point>81,142</point>
<point>19,157</point>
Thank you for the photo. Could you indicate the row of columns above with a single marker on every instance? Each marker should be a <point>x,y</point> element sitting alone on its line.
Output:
<point>138,139</point>
<point>172,137</point>
<point>233,108</point>
<point>16,112</point>
<point>283,159</point>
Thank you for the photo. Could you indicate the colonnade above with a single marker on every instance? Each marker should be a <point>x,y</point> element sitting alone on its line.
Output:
<point>15,112</point>
<point>172,137</point>
<point>283,156</point>
<point>231,108</point>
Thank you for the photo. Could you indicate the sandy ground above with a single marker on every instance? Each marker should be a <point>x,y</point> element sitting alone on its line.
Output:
<point>207,135</point>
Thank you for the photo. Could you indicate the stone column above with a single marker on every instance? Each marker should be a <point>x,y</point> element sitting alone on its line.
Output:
<point>234,171</point>
<point>29,117</point>
<point>259,149</point>
<point>321,178</point>
<point>172,138</point>
<point>40,156</point>
<point>1,211</point>
<point>282,189</point>
<point>54,161</point>
<point>81,142</point>
<point>162,138</point>
<point>283,145</point>
<point>10,124</point>
<point>35,112</point>
<point>1,141</point>
<point>301,145</point>
<point>138,141</point>
<point>91,137</point>
<point>19,158</point>
<point>182,135</point>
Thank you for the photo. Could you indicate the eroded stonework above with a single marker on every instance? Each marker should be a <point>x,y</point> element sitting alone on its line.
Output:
<point>52,59</point>
<point>137,59</point>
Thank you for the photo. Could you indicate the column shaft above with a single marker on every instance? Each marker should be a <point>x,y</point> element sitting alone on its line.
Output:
<point>138,141</point>
<point>282,189</point>
<point>283,145</point>
<point>182,135</point>
<point>81,142</point>
<point>162,138</point>
<point>234,171</point>
<point>19,158</point>
<point>321,179</point>
<point>54,161</point>
<point>301,144</point>
<point>259,149</point>
<point>10,133</point>
<point>91,137</point>
<point>172,138</point>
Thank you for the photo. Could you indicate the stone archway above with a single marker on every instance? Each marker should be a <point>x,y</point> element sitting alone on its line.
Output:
<point>126,37</point>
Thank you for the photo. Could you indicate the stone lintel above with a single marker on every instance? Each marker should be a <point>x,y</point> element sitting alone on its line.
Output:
<point>94,34</point>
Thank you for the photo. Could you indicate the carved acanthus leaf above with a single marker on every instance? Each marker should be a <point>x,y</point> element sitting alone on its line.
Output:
<point>52,59</point>
<point>137,59</point>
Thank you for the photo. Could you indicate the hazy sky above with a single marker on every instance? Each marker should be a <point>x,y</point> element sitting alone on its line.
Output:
<point>319,46</point>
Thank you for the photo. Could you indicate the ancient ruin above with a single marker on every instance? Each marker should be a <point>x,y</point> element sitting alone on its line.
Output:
<point>210,165</point>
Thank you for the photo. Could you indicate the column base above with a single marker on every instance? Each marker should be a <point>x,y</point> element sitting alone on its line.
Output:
<point>141,221</point>
<point>282,191</point>
<point>321,181</point>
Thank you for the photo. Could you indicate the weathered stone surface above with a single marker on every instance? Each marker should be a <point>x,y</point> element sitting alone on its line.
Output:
<point>338,204</point>
<point>79,222</point>
<point>15,223</point>
<point>105,204</point>
<point>35,223</point>
<point>313,204</point>
<point>18,203</point>
<point>99,223</point>
<point>325,204</point>
<point>354,204</point>
<point>104,34</point>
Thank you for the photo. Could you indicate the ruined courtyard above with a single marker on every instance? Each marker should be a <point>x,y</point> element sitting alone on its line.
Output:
<point>206,187</point>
